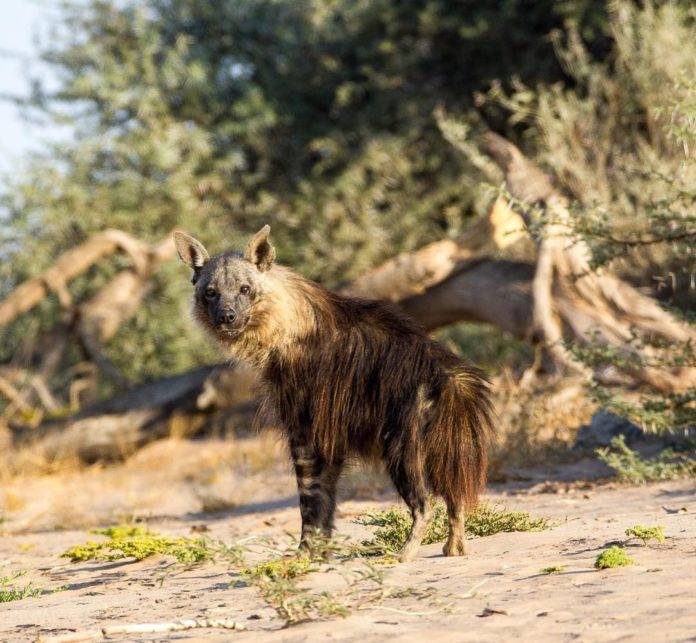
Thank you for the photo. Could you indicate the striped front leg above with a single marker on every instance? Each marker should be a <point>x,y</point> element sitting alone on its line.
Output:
<point>316,484</point>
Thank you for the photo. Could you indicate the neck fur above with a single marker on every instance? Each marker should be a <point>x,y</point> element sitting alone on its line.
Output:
<point>284,313</point>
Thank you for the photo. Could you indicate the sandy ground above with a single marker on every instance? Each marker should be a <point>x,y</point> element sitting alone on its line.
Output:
<point>244,492</point>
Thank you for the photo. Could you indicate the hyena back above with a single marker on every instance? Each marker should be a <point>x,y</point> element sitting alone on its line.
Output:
<point>348,378</point>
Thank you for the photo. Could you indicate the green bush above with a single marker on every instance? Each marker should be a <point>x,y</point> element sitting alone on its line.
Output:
<point>135,541</point>
<point>621,143</point>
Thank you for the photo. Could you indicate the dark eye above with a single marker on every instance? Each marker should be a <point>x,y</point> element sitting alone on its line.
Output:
<point>209,293</point>
<point>245,290</point>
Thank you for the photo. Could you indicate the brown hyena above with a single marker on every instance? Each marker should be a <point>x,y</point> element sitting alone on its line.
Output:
<point>348,378</point>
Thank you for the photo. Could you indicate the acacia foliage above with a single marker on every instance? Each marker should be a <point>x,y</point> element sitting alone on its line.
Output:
<point>217,117</point>
<point>622,140</point>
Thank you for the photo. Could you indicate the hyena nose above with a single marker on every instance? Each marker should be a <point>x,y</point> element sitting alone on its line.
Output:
<point>226,317</point>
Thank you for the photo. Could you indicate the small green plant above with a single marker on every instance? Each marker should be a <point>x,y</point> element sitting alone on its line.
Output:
<point>279,583</point>
<point>491,518</point>
<point>631,467</point>
<point>8,592</point>
<point>281,568</point>
<point>394,524</point>
<point>295,604</point>
<point>613,557</point>
<point>647,533</point>
<point>276,581</point>
<point>365,587</point>
<point>135,541</point>
<point>554,569</point>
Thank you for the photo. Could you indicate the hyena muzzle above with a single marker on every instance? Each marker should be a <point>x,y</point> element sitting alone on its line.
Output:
<point>348,378</point>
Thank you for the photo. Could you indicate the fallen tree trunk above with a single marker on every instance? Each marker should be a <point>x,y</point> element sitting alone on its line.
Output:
<point>209,399</point>
<point>497,292</point>
<point>411,274</point>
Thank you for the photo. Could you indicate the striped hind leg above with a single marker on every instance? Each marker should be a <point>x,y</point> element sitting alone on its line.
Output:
<point>456,540</point>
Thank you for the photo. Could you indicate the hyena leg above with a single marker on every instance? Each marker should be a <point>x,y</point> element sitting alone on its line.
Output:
<point>411,488</point>
<point>456,541</point>
<point>316,485</point>
<point>327,483</point>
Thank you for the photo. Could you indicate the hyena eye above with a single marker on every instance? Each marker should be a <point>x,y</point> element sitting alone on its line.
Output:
<point>209,293</point>
<point>245,290</point>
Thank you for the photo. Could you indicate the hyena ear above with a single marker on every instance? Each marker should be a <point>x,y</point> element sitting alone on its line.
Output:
<point>259,251</point>
<point>191,252</point>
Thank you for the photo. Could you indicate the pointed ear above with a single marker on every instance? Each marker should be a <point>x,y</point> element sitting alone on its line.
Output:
<point>259,251</point>
<point>191,252</point>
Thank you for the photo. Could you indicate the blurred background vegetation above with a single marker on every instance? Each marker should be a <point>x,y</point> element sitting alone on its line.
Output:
<point>217,117</point>
<point>333,120</point>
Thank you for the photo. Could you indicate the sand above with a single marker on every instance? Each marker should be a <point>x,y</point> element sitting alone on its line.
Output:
<point>496,593</point>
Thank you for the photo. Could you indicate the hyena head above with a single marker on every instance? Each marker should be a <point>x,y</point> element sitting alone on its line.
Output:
<point>228,286</point>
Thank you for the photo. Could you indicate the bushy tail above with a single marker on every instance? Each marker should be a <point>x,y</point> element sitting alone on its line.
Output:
<point>457,441</point>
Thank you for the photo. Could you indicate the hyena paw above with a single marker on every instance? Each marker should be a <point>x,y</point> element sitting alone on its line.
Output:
<point>408,552</point>
<point>456,547</point>
<point>316,546</point>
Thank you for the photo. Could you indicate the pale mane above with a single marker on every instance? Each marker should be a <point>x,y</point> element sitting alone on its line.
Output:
<point>285,313</point>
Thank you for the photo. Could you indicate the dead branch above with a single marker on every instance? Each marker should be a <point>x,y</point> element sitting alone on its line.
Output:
<point>72,264</point>
<point>209,399</point>
<point>15,398</point>
<point>92,322</point>
<point>146,628</point>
